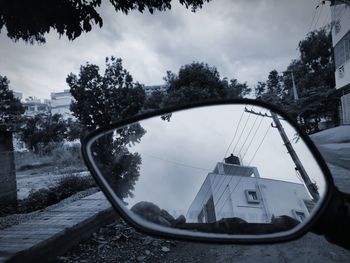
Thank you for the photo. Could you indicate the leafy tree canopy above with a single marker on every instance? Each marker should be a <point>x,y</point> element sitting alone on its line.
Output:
<point>10,107</point>
<point>102,99</point>
<point>31,20</point>
<point>43,129</point>
<point>199,82</point>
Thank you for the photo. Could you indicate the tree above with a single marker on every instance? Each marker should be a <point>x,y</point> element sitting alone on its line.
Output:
<point>43,129</point>
<point>198,82</point>
<point>315,81</point>
<point>237,90</point>
<point>154,101</point>
<point>31,20</point>
<point>74,130</point>
<point>313,74</point>
<point>194,82</point>
<point>10,113</point>
<point>100,100</point>
<point>11,108</point>
<point>260,89</point>
<point>274,84</point>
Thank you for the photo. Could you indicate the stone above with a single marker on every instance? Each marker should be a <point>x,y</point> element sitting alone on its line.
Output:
<point>165,249</point>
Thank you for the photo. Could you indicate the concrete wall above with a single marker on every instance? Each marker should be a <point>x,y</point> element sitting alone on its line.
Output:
<point>8,186</point>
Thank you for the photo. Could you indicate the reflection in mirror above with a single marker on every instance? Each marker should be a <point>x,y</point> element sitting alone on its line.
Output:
<point>229,169</point>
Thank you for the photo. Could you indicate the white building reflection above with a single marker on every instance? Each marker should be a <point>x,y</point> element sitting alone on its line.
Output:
<point>236,191</point>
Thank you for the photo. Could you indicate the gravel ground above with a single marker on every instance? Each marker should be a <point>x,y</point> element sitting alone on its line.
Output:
<point>118,242</point>
<point>16,219</point>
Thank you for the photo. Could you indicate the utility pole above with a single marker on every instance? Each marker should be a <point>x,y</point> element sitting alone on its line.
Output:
<point>295,93</point>
<point>312,188</point>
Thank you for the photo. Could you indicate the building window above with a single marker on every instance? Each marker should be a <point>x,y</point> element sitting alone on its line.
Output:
<point>337,27</point>
<point>299,215</point>
<point>209,209</point>
<point>342,51</point>
<point>252,196</point>
<point>201,217</point>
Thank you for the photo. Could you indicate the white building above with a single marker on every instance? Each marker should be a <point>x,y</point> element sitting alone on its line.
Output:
<point>341,43</point>
<point>34,106</point>
<point>232,190</point>
<point>150,89</point>
<point>17,95</point>
<point>60,103</point>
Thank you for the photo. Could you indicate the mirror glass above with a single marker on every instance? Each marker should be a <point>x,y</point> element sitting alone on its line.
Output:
<point>230,170</point>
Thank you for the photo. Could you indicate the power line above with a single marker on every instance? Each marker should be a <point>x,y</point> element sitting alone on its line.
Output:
<point>239,138</point>
<point>223,205</point>
<point>319,15</point>
<point>234,136</point>
<point>176,163</point>
<point>251,141</point>
<point>219,182</point>
<point>260,144</point>
<point>326,19</point>
<point>250,131</point>
<point>313,18</point>
<point>224,177</point>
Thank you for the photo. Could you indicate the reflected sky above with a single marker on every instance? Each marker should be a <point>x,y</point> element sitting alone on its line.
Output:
<point>178,155</point>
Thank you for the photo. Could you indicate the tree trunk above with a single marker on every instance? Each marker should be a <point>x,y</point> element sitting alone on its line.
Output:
<point>8,185</point>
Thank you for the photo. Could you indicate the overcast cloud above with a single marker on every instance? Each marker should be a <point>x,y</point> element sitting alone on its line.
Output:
<point>243,39</point>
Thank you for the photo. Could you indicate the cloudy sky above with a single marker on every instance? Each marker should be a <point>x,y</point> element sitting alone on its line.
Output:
<point>243,39</point>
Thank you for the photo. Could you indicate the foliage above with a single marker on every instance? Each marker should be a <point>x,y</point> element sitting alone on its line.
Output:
<point>197,82</point>
<point>100,100</point>
<point>194,82</point>
<point>237,90</point>
<point>31,20</point>
<point>313,74</point>
<point>60,156</point>
<point>10,107</point>
<point>125,171</point>
<point>42,129</point>
<point>155,100</point>
<point>44,197</point>
<point>65,187</point>
<point>74,130</point>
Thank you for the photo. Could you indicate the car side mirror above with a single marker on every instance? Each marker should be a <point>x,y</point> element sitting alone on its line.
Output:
<point>231,171</point>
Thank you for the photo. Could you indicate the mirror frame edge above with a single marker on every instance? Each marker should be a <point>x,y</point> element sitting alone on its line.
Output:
<point>311,146</point>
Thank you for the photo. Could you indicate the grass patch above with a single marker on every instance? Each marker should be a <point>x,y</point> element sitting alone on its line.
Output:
<point>44,197</point>
<point>58,155</point>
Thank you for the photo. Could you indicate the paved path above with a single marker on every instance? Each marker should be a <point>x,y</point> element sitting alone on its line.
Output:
<point>55,231</point>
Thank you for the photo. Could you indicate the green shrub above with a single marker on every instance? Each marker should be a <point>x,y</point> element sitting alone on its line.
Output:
<point>71,184</point>
<point>45,197</point>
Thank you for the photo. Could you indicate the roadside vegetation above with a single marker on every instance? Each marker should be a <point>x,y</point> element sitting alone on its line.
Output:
<point>66,187</point>
<point>54,157</point>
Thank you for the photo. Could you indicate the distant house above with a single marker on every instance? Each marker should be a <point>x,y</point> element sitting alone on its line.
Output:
<point>340,12</point>
<point>150,89</point>
<point>233,190</point>
<point>34,106</point>
<point>60,103</point>
<point>17,95</point>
